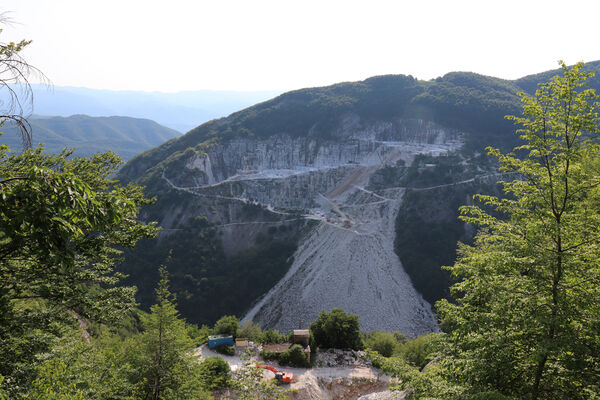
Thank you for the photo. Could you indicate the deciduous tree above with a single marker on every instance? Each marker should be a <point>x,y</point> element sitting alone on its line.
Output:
<point>526,322</point>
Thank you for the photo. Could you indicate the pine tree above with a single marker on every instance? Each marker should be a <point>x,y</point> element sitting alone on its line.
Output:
<point>167,369</point>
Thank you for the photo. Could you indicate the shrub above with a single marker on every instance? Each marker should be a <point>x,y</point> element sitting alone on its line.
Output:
<point>198,335</point>
<point>250,330</point>
<point>214,373</point>
<point>226,350</point>
<point>384,343</point>
<point>419,351</point>
<point>273,336</point>
<point>294,357</point>
<point>227,325</point>
<point>337,330</point>
<point>269,355</point>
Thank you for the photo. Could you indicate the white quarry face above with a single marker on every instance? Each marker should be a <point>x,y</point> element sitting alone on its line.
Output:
<point>347,260</point>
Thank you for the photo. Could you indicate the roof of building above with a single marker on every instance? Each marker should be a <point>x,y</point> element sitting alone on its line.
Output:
<point>215,337</point>
<point>277,347</point>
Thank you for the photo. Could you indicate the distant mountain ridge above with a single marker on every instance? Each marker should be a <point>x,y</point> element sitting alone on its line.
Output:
<point>125,136</point>
<point>181,111</point>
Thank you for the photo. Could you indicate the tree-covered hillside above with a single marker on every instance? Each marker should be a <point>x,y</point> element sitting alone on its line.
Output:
<point>125,136</point>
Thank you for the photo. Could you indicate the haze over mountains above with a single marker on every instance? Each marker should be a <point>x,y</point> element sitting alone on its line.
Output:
<point>181,111</point>
<point>87,135</point>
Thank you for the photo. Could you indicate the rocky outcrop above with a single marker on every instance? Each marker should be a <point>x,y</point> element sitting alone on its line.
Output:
<point>282,156</point>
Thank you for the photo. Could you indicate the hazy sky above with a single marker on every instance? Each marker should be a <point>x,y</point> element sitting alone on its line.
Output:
<point>280,45</point>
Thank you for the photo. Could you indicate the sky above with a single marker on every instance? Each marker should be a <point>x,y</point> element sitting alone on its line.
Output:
<point>179,45</point>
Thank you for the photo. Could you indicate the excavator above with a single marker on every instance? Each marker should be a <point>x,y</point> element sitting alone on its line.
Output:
<point>281,376</point>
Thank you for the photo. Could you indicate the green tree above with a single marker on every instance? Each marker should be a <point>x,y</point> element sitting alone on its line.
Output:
<point>527,318</point>
<point>294,357</point>
<point>337,329</point>
<point>382,342</point>
<point>227,325</point>
<point>250,330</point>
<point>77,369</point>
<point>166,369</point>
<point>215,373</point>
<point>62,222</point>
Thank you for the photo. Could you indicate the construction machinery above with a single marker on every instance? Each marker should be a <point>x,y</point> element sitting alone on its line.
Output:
<point>281,376</point>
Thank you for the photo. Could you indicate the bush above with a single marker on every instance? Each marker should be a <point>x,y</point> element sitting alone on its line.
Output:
<point>384,343</point>
<point>269,355</point>
<point>250,330</point>
<point>227,325</point>
<point>337,330</point>
<point>199,335</point>
<point>419,351</point>
<point>273,336</point>
<point>294,357</point>
<point>214,373</point>
<point>226,350</point>
<point>488,396</point>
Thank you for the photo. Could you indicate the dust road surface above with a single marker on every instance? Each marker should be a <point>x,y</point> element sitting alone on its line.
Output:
<point>322,383</point>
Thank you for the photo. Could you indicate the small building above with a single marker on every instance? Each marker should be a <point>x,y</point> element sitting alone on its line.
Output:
<point>302,337</point>
<point>241,342</point>
<point>220,340</point>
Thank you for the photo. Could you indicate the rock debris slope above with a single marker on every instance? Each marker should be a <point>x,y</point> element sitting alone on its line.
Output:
<point>353,267</point>
<point>348,259</point>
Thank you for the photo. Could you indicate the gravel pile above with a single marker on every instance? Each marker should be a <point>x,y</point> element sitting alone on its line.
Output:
<point>341,358</point>
<point>385,395</point>
<point>353,268</point>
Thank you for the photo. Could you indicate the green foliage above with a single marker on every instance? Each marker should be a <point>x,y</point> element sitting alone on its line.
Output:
<point>417,352</point>
<point>338,330</point>
<point>227,325</point>
<point>126,136</point>
<point>294,357</point>
<point>199,335</point>
<point>272,336</point>
<point>164,367</point>
<point>225,350</point>
<point>214,373</point>
<point>79,370</point>
<point>52,383</point>
<point>420,351</point>
<point>525,324</point>
<point>269,355</point>
<point>202,277</point>
<point>61,224</point>
<point>249,385</point>
<point>428,228</point>
<point>250,330</point>
<point>384,343</point>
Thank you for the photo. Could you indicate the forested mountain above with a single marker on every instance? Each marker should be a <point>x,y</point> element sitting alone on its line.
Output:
<point>321,175</point>
<point>125,136</point>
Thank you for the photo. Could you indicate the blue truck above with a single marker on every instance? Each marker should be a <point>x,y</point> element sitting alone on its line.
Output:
<point>219,340</point>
